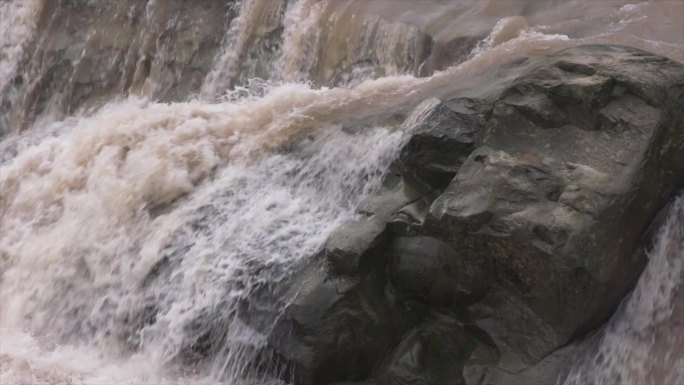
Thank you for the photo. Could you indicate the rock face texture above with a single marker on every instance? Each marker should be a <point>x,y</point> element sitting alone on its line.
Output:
<point>512,224</point>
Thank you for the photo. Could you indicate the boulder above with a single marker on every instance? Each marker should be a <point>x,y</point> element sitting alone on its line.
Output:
<point>528,215</point>
<point>576,157</point>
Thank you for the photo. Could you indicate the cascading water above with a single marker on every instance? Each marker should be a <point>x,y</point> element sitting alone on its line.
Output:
<point>144,242</point>
<point>642,343</point>
<point>144,277</point>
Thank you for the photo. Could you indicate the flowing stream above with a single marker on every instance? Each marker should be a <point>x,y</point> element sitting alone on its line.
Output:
<point>151,203</point>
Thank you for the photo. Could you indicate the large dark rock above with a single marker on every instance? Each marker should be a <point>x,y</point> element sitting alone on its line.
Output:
<point>576,158</point>
<point>526,224</point>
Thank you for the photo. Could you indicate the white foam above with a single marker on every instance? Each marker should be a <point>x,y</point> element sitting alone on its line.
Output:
<point>145,226</point>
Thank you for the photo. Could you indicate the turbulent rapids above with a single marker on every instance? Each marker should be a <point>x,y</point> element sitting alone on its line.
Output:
<point>169,169</point>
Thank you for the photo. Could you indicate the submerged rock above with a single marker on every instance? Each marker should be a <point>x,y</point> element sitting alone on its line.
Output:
<point>536,202</point>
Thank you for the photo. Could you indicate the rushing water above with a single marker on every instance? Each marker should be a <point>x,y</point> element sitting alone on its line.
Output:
<point>643,342</point>
<point>134,231</point>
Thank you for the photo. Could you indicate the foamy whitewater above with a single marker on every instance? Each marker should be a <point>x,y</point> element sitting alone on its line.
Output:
<point>131,232</point>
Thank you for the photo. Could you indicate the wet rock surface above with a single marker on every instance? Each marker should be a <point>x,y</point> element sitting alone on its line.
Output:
<point>440,144</point>
<point>526,223</point>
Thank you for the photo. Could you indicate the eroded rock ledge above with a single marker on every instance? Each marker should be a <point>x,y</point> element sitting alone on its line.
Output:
<point>512,225</point>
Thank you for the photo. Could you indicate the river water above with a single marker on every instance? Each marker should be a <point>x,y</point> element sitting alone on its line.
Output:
<point>138,227</point>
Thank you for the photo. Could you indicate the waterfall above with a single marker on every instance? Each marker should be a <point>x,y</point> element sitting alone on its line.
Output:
<point>166,165</point>
<point>160,232</point>
<point>17,23</point>
<point>148,228</point>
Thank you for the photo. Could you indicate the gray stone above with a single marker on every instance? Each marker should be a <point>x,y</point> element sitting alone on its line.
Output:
<point>533,204</point>
<point>349,242</point>
<point>576,158</point>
